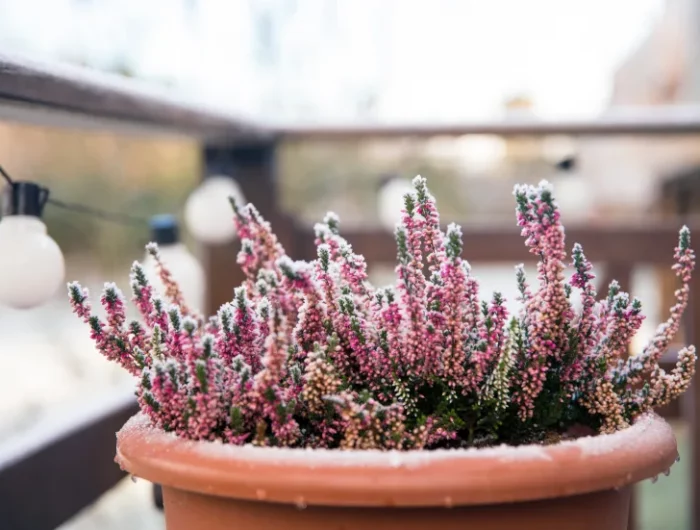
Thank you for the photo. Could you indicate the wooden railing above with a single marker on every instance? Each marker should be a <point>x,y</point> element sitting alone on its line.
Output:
<point>51,473</point>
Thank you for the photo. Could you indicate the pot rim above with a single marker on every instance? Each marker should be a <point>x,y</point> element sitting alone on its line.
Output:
<point>456,477</point>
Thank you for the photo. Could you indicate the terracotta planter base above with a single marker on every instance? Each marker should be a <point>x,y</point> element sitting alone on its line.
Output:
<point>576,485</point>
<point>605,510</point>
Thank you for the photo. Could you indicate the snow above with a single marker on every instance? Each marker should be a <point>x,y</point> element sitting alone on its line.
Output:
<point>334,457</point>
<point>644,428</point>
<point>459,45</point>
<point>588,446</point>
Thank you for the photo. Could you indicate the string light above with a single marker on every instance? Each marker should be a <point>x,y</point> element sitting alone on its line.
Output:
<point>31,263</point>
<point>573,192</point>
<point>208,211</point>
<point>32,267</point>
<point>390,199</point>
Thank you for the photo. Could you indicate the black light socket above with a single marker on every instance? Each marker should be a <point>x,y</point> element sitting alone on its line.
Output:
<point>164,230</point>
<point>24,198</point>
<point>567,164</point>
<point>386,179</point>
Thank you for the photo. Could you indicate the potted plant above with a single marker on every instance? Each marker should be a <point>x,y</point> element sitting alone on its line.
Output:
<point>314,400</point>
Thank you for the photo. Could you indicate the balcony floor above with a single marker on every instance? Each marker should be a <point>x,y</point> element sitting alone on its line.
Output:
<point>128,505</point>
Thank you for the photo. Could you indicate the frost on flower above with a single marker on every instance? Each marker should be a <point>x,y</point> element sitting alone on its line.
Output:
<point>311,354</point>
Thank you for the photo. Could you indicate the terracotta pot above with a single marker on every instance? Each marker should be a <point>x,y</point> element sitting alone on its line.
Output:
<point>582,484</point>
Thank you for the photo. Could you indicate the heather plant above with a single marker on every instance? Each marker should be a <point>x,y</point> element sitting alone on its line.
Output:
<point>310,354</point>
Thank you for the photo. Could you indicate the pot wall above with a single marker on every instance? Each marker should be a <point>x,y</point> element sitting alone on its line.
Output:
<point>582,484</point>
<point>606,510</point>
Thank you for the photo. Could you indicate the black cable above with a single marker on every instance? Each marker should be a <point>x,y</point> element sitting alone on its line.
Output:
<point>114,217</point>
<point>6,176</point>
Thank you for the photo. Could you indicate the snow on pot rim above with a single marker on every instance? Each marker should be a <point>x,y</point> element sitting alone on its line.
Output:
<point>457,477</point>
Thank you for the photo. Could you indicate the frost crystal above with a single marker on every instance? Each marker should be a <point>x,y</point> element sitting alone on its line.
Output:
<point>313,355</point>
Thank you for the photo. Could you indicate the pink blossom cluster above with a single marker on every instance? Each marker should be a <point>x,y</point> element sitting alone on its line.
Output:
<point>311,354</point>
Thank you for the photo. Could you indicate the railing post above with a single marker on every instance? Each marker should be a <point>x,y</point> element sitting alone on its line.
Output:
<point>691,407</point>
<point>622,272</point>
<point>253,167</point>
<point>56,468</point>
<point>690,403</point>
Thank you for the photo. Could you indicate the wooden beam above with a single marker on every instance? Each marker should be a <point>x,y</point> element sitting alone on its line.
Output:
<point>37,92</point>
<point>252,165</point>
<point>51,472</point>
<point>62,95</point>
<point>691,405</point>
<point>690,401</point>
<point>621,122</point>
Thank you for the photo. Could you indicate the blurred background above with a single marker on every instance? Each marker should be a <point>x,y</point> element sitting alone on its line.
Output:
<point>318,61</point>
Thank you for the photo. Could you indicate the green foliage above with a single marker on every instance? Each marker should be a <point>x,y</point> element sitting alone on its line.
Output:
<point>237,422</point>
<point>201,371</point>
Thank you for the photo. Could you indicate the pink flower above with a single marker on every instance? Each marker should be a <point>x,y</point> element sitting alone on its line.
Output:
<point>313,355</point>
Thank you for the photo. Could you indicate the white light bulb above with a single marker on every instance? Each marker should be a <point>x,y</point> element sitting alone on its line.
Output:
<point>208,213</point>
<point>390,201</point>
<point>186,271</point>
<point>31,263</point>
<point>481,153</point>
<point>573,195</point>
